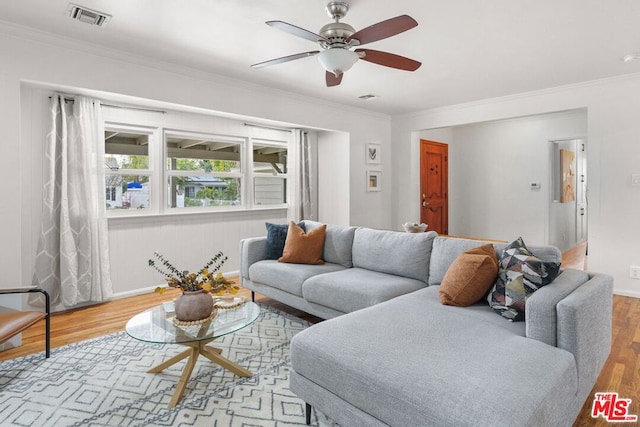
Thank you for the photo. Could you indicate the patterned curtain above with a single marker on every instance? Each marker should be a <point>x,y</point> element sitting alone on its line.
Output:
<point>306,171</point>
<point>300,203</point>
<point>72,262</point>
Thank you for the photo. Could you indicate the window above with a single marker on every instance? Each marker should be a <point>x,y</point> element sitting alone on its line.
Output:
<point>269,172</point>
<point>203,170</point>
<point>160,170</point>
<point>127,168</point>
<point>111,193</point>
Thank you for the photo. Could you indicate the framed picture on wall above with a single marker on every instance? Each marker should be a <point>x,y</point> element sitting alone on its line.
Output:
<point>373,180</point>
<point>373,153</point>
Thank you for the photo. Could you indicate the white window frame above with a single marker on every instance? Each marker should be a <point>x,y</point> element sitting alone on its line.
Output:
<point>151,172</point>
<point>252,175</point>
<point>240,176</point>
<point>159,173</point>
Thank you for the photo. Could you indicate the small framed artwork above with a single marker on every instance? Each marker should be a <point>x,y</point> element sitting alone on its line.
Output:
<point>373,181</point>
<point>373,153</point>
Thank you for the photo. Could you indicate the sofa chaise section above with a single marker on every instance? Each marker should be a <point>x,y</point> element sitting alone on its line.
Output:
<point>414,362</point>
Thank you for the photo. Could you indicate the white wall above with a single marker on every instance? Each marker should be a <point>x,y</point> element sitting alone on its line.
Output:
<point>496,162</point>
<point>613,106</point>
<point>34,57</point>
<point>333,174</point>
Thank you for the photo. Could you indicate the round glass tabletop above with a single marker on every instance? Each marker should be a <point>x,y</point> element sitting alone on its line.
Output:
<point>156,324</point>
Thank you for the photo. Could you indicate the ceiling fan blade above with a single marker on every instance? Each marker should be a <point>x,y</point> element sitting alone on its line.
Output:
<point>296,31</point>
<point>285,59</point>
<point>332,79</point>
<point>389,59</point>
<point>384,29</point>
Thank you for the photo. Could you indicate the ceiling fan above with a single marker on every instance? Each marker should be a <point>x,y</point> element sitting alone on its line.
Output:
<point>338,39</point>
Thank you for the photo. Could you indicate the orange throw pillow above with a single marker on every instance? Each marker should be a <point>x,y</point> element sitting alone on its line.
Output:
<point>303,248</point>
<point>469,277</point>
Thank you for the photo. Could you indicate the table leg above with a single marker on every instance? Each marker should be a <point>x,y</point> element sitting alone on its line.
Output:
<point>184,378</point>
<point>194,351</point>
<point>213,354</point>
<point>175,359</point>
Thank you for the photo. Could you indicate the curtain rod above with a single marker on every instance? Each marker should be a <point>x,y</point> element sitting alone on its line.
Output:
<point>123,107</point>
<point>267,127</point>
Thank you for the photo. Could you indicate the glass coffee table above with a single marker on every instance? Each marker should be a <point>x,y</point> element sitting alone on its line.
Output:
<point>156,326</point>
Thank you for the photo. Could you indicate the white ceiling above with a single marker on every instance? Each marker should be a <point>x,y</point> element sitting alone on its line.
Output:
<point>470,49</point>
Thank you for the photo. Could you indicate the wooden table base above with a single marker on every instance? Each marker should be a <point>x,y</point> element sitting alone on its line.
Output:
<point>196,349</point>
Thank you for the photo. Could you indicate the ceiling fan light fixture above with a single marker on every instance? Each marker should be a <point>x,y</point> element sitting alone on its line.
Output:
<point>337,60</point>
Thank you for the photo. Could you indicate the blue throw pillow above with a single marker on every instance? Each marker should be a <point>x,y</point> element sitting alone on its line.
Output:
<point>276,236</point>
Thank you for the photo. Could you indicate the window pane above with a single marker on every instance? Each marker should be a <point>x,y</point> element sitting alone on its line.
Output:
<point>126,150</point>
<point>203,155</point>
<point>270,191</point>
<point>127,191</point>
<point>269,159</point>
<point>198,191</point>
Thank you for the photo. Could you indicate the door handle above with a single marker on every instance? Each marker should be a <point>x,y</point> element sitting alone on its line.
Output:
<point>425,204</point>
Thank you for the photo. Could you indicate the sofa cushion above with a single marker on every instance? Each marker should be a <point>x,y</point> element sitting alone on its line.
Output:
<point>393,252</point>
<point>447,249</point>
<point>338,242</point>
<point>355,288</point>
<point>440,374</point>
<point>470,277</point>
<point>287,277</point>
<point>521,274</point>
<point>303,248</point>
<point>276,236</point>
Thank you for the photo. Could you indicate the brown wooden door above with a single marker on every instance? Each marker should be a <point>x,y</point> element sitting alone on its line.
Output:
<point>434,188</point>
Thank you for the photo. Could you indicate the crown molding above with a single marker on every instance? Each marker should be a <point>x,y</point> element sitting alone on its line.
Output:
<point>520,96</point>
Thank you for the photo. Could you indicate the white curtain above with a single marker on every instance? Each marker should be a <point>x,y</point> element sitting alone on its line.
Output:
<point>301,205</point>
<point>72,262</point>
<point>306,179</point>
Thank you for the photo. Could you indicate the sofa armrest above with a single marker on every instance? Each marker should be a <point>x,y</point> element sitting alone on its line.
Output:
<point>252,250</point>
<point>541,316</point>
<point>584,328</point>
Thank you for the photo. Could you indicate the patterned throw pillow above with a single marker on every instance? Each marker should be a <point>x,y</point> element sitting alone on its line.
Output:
<point>521,274</point>
<point>276,236</point>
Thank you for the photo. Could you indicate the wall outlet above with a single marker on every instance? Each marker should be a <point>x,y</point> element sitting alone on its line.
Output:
<point>634,272</point>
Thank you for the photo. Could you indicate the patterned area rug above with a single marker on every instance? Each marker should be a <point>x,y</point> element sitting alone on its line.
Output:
<point>103,382</point>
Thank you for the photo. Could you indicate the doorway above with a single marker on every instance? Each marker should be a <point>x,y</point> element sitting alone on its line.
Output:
<point>568,220</point>
<point>434,185</point>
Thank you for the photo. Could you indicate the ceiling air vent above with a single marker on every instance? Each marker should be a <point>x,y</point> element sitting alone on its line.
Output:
<point>88,16</point>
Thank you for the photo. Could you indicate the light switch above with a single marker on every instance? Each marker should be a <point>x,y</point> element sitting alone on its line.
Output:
<point>635,179</point>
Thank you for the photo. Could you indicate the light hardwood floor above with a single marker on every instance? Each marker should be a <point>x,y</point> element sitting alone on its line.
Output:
<point>621,373</point>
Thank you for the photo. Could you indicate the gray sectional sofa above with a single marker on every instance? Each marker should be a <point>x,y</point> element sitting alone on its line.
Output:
<point>391,354</point>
